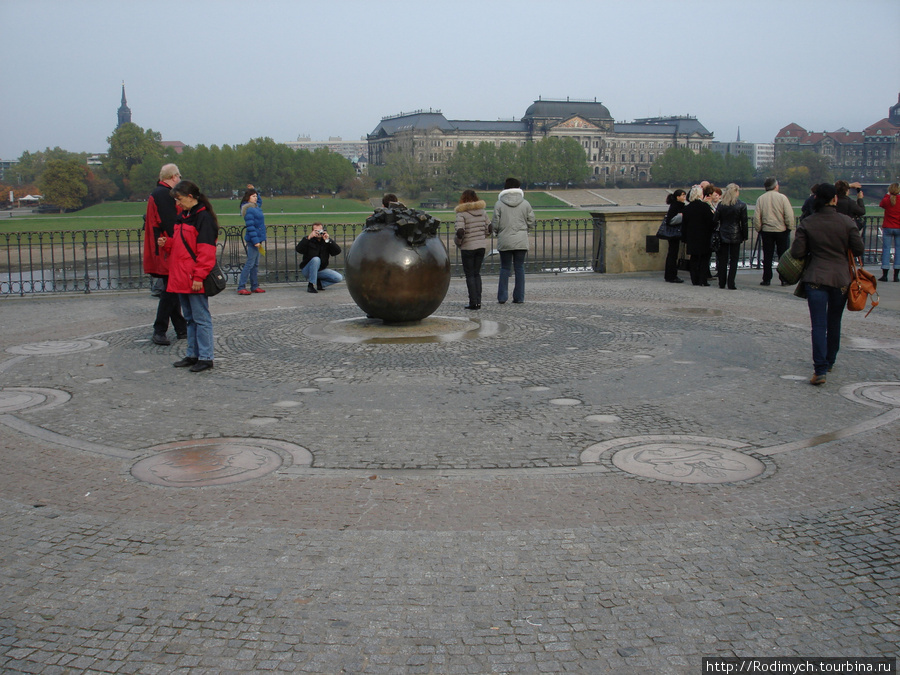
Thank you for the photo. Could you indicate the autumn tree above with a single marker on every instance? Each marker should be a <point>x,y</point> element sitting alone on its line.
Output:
<point>797,171</point>
<point>64,184</point>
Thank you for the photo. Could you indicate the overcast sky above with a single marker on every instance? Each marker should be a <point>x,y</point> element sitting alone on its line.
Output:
<point>224,72</point>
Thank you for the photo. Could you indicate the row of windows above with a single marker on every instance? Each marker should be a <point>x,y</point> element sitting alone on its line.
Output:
<point>587,144</point>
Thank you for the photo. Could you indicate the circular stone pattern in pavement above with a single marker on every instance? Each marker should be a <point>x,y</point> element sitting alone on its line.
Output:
<point>885,393</point>
<point>430,329</point>
<point>13,399</point>
<point>219,461</point>
<point>679,459</point>
<point>56,347</point>
<point>687,463</point>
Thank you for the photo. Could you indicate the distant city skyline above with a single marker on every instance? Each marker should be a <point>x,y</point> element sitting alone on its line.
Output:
<point>286,69</point>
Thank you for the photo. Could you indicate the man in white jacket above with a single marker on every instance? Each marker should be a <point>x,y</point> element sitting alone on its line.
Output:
<point>774,220</point>
<point>513,216</point>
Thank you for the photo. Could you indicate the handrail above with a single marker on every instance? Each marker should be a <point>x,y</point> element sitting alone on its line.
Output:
<point>88,261</point>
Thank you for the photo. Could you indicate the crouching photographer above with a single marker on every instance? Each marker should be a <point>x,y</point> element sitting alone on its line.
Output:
<point>317,248</point>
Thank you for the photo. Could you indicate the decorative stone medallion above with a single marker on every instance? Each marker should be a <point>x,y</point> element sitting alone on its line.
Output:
<point>218,461</point>
<point>680,459</point>
<point>688,463</point>
<point>13,399</point>
<point>56,347</point>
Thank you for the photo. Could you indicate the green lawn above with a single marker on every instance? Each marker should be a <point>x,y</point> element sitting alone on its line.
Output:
<point>278,210</point>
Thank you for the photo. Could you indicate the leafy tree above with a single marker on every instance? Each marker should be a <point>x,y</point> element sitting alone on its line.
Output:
<point>681,166</point>
<point>64,183</point>
<point>562,161</point>
<point>709,165</point>
<point>405,173</point>
<point>31,165</point>
<point>674,167</point>
<point>99,188</point>
<point>129,146</point>
<point>738,169</point>
<point>796,171</point>
<point>143,177</point>
<point>550,160</point>
<point>357,187</point>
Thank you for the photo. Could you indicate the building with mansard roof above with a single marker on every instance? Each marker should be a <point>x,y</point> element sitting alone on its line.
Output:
<point>614,150</point>
<point>869,155</point>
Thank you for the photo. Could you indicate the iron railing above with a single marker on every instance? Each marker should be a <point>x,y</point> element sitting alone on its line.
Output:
<point>106,260</point>
<point>751,250</point>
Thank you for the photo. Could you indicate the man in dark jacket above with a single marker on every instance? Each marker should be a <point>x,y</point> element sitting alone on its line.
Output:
<point>316,248</point>
<point>855,209</point>
<point>159,220</point>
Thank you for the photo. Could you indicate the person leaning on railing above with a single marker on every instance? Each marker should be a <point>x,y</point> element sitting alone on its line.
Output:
<point>855,209</point>
<point>890,232</point>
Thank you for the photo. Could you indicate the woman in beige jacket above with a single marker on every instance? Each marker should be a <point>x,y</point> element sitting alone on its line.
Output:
<point>472,232</point>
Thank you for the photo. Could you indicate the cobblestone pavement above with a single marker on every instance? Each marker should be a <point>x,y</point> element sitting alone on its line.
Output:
<point>618,476</point>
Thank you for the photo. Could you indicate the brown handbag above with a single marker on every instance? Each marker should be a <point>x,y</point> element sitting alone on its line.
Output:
<point>862,287</point>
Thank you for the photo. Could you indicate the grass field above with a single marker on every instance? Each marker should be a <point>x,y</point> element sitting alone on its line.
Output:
<point>278,210</point>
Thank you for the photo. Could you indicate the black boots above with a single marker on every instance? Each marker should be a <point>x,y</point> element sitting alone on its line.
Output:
<point>883,276</point>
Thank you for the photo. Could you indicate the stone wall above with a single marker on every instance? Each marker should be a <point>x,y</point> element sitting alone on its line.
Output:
<point>621,240</point>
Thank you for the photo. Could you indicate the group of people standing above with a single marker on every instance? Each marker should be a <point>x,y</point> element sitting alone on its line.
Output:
<point>707,210</point>
<point>829,233</point>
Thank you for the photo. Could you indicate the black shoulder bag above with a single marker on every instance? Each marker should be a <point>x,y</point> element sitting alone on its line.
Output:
<point>215,281</point>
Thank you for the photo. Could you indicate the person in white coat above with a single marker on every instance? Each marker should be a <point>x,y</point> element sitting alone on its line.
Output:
<point>513,216</point>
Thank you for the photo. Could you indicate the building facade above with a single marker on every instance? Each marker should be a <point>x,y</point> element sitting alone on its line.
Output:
<point>352,150</point>
<point>760,154</point>
<point>869,155</point>
<point>614,150</point>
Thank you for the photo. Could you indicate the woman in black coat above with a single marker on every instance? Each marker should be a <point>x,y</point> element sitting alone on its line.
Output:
<point>676,206</point>
<point>696,230</point>
<point>731,220</point>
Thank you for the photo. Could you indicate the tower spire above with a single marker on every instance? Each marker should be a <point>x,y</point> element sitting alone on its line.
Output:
<point>124,110</point>
<point>738,138</point>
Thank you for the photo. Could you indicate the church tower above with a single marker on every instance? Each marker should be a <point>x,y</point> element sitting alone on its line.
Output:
<point>124,110</point>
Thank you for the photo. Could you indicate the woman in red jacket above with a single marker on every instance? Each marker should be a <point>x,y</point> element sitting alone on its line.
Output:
<point>890,232</point>
<point>192,254</point>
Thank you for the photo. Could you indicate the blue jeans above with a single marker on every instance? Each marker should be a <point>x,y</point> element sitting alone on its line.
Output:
<point>890,237</point>
<point>826,307</point>
<point>516,261</point>
<point>195,307</point>
<point>314,275</point>
<point>251,268</point>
